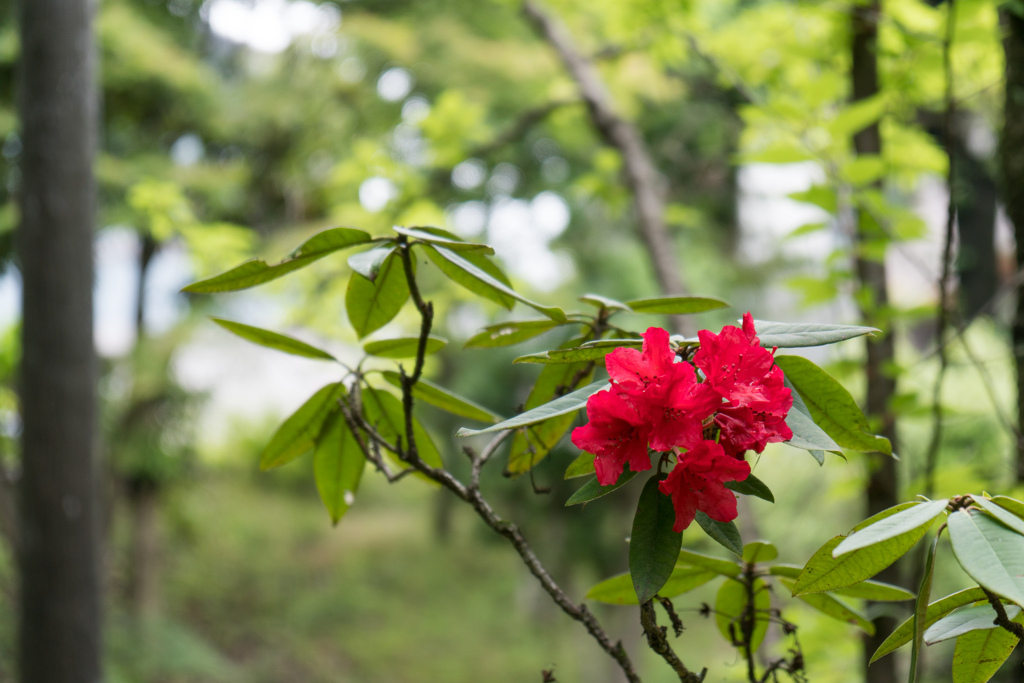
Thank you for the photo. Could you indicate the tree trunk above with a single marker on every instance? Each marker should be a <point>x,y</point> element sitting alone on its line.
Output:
<point>144,567</point>
<point>1012,153</point>
<point>882,489</point>
<point>60,580</point>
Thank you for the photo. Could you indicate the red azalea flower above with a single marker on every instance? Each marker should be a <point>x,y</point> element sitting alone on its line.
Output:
<point>633,370</point>
<point>678,417</point>
<point>616,434</point>
<point>696,483</point>
<point>745,375</point>
<point>734,363</point>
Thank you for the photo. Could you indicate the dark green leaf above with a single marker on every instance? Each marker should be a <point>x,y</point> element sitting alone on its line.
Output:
<point>369,263</point>
<point>403,347</point>
<point>592,490</point>
<point>759,551</point>
<point>826,573</point>
<point>462,271</point>
<point>714,564</point>
<point>653,545</point>
<point>604,302</point>
<point>371,305</point>
<point>865,590</point>
<point>990,553</point>
<point>979,654</point>
<point>675,305</point>
<point>724,533</point>
<point>569,403</point>
<point>273,340</point>
<point>831,406</point>
<point>977,618</point>
<point>794,335</point>
<point>436,236</point>
<point>730,605</point>
<point>439,397</point>
<point>338,465</point>
<point>298,434</point>
<point>938,609</point>
<point>580,467</point>
<point>751,486</point>
<point>892,526</point>
<point>506,334</point>
<point>255,272</point>
<point>618,590</point>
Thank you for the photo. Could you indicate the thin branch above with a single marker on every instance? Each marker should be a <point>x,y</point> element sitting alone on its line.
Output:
<point>945,303</point>
<point>642,177</point>
<point>471,494</point>
<point>480,460</point>
<point>657,639</point>
<point>1002,619</point>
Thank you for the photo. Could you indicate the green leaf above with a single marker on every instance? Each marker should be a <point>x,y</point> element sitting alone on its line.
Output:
<point>1008,518</point>
<point>298,434</point>
<point>569,403</point>
<point>890,527</point>
<point>820,195</point>
<point>724,533</point>
<point>462,271</point>
<point>653,545</point>
<point>338,465</point>
<point>826,573</point>
<point>924,592</point>
<point>384,412</point>
<point>977,618</point>
<point>714,564</point>
<point>578,355</point>
<point>990,553</point>
<point>938,609</point>
<point>256,272</point>
<point>878,591</point>
<point>592,490</point>
<point>371,305</point>
<point>979,654</point>
<point>618,590</point>
<point>835,608</point>
<point>439,397</point>
<point>443,238</point>
<point>403,347</point>
<point>865,590</point>
<point>599,302</point>
<point>806,432</point>
<point>857,116</point>
<point>675,305</point>
<point>730,604</point>
<point>795,335</point>
<point>751,486</point>
<point>273,340</point>
<point>831,406</point>
<point>863,169</point>
<point>531,445</point>
<point>580,467</point>
<point>369,263</point>
<point>1014,506</point>
<point>759,551</point>
<point>506,334</point>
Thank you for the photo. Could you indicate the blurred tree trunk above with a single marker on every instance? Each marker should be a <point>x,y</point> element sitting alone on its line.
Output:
<point>1012,153</point>
<point>60,638</point>
<point>142,491</point>
<point>881,490</point>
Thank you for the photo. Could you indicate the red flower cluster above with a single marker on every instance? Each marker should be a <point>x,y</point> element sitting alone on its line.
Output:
<point>657,402</point>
